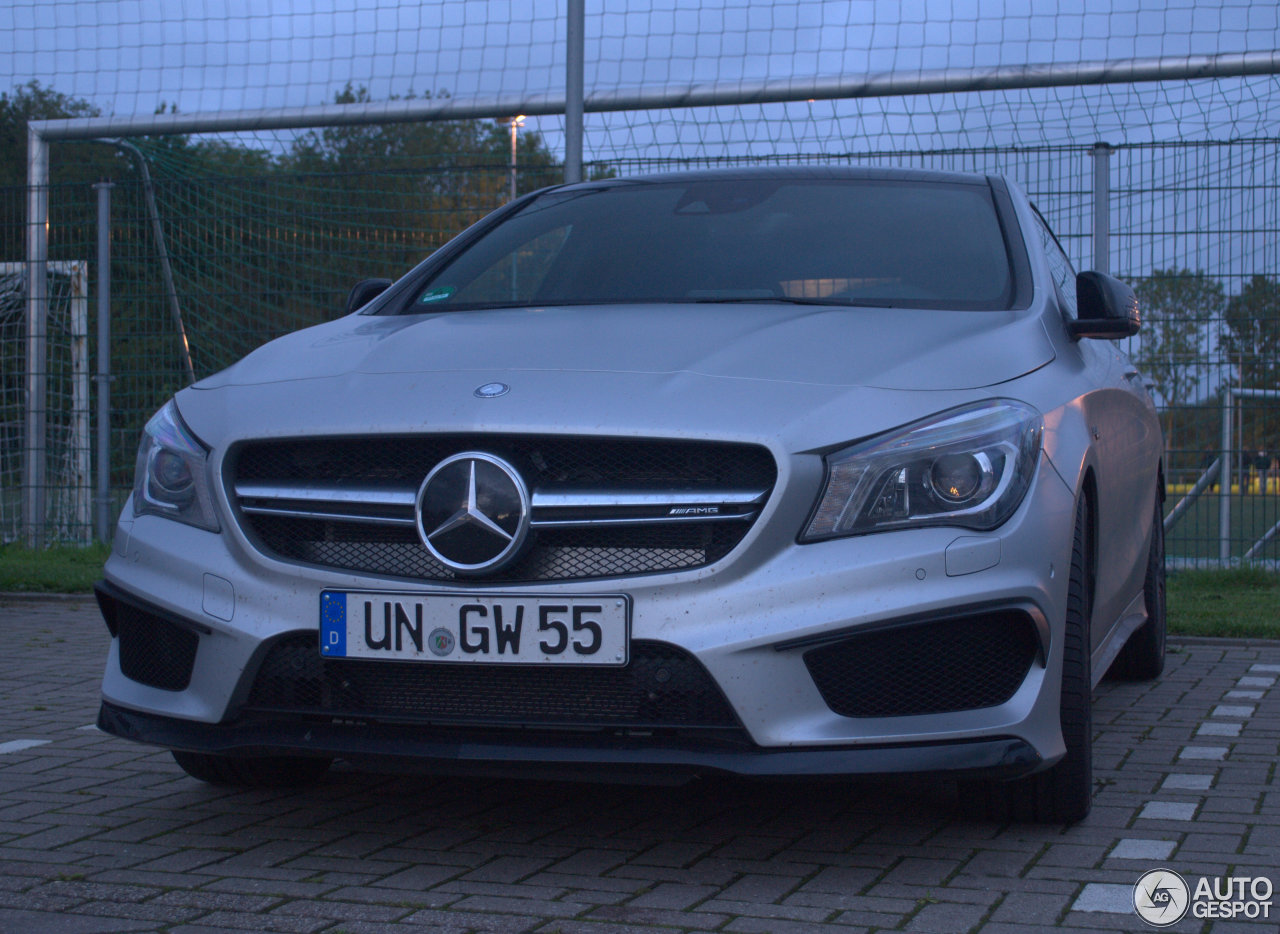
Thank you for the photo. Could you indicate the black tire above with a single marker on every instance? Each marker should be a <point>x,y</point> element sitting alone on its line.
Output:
<point>252,771</point>
<point>1063,793</point>
<point>1142,657</point>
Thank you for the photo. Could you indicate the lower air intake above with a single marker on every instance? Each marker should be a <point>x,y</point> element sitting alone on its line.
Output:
<point>940,666</point>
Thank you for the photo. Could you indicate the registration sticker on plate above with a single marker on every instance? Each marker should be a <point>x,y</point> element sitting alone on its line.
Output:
<point>499,628</point>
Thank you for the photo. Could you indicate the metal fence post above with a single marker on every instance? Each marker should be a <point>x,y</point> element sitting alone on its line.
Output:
<point>102,495</point>
<point>573,91</point>
<point>33,464</point>
<point>1101,153</point>
<point>1225,476</point>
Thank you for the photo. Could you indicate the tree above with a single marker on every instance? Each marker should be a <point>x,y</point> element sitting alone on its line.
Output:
<point>30,101</point>
<point>383,196</point>
<point>1176,307</point>
<point>1251,340</point>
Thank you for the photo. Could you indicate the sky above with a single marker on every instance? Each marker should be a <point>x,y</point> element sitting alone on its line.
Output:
<point>130,57</point>
<point>133,56</point>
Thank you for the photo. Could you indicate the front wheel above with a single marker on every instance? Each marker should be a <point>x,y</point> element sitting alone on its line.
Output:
<point>1142,657</point>
<point>252,771</point>
<point>1063,793</point>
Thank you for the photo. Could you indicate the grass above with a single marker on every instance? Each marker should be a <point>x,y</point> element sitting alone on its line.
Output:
<point>62,569</point>
<point>1241,603</point>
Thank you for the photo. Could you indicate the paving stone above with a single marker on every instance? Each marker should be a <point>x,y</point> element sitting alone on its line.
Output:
<point>774,926</point>
<point>946,918</point>
<point>1239,711</point>
<point>1203,753</point>
<point>53,923</point>
<point>1105,897</point>
<point>1143,849</point>
<point>1169,810</point>
<point>1185,782</point>
<point>674,896</point>
<point>1031,908</point>
<point>125,842</point>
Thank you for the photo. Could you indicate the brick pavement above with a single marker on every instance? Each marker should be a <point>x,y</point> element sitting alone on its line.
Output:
<point>100,835</point>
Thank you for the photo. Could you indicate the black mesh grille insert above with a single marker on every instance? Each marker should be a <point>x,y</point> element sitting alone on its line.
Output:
<point>662,686</point>
<point>542,460</point>
<point>932,667</point>
<point>556,554</point>
<point>154,651</point>
<point>559,462</point>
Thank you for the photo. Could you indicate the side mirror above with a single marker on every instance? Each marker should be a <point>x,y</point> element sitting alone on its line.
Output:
<point>365,291</point>
<point>1107,308</point>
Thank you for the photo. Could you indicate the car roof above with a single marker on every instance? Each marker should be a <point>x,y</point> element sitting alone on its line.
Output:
<point>794,172</point>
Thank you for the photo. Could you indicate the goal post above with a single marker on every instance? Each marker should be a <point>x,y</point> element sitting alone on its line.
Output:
<point>68,515</point>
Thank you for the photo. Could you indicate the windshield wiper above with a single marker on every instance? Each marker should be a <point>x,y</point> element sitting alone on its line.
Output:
<point>789,300</point>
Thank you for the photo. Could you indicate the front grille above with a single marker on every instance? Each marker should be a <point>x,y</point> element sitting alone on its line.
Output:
<point>932,667</point>
<point>601,507</point>
<point>154,651</point>
<point>661,687</point>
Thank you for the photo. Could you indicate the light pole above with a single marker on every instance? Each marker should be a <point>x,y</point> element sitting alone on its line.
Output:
<point>516,122</point>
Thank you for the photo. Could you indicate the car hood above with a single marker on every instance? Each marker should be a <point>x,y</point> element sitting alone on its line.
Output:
<point>594,368</point>
<point>886,348</point>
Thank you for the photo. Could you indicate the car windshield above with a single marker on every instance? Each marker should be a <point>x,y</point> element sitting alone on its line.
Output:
<point>864,241</point>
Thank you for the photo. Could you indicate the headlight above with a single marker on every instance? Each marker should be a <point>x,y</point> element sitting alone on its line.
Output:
<point>968,467</point>
<point>170,479</point>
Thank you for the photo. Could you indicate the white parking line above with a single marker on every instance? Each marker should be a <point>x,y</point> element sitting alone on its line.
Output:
<point>1219,729</point>
<point>1142,849</point>
<point>1168,810</point>
<point>1208,753</point>
<point>17,745</point>
<point>1230,710</point>
<point>1105,897</point>
<point>1184,782</point>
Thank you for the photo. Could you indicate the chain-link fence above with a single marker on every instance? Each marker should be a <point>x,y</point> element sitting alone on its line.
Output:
<point>269,249</point>
<point>291,151</point>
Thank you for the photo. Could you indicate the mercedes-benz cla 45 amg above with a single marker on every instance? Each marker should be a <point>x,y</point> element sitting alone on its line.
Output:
<point>768,472</point>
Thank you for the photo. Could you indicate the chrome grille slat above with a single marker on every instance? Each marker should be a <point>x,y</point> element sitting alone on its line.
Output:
<point>326,516</point>
<point>388,505</point>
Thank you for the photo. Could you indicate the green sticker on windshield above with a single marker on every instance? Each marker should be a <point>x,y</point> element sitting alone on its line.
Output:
<point>438,294</point>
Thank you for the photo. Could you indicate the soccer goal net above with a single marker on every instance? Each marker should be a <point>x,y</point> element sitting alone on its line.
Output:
<point>68,495</point>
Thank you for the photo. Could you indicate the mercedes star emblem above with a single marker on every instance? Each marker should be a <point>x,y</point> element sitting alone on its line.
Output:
<point>473,512</point>
<point>492,390</point>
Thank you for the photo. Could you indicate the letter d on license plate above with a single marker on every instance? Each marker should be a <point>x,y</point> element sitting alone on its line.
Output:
<point>490,628</point>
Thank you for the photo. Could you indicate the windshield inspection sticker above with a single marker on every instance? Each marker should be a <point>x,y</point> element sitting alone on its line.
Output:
<point>438,294</point>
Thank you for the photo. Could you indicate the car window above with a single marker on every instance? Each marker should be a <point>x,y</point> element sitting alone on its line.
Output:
<point>918,244</point>
<point>517,276</point>
<point>1064,275</point>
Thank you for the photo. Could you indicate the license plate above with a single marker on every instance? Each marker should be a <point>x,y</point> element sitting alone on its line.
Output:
<point>502,628</point>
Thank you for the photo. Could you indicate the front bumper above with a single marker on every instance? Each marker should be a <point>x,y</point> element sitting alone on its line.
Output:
<point>748,622</point>
<point>560,755</point>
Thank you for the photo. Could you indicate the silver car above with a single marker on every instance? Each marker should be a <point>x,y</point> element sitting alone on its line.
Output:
<point>801,472</point>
